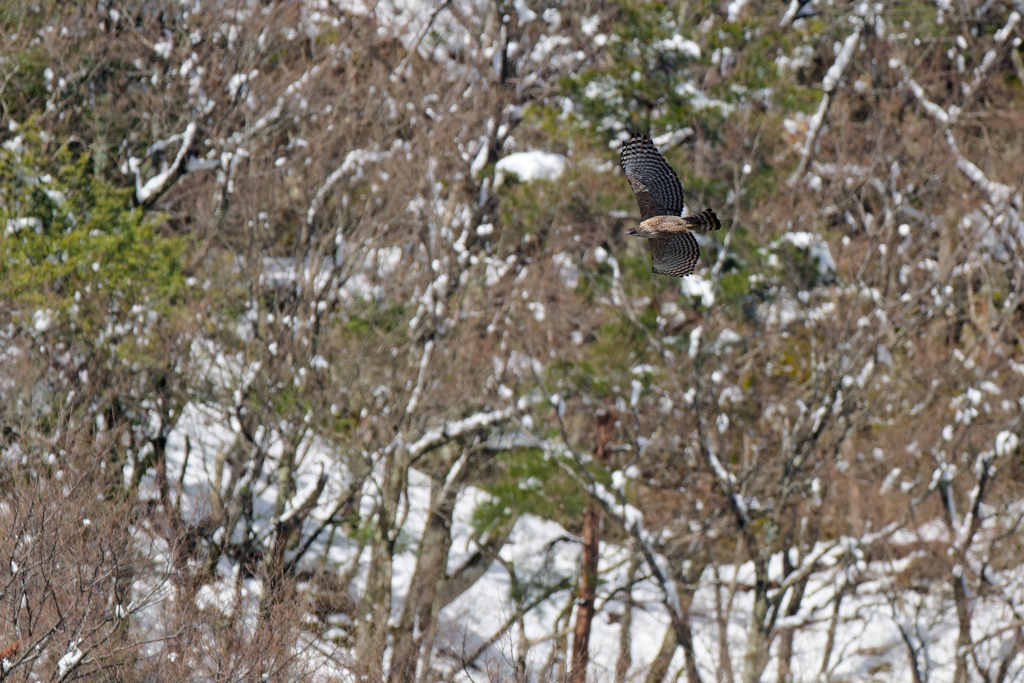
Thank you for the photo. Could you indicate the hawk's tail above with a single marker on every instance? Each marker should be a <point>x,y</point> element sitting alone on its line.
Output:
<point>705,220</point>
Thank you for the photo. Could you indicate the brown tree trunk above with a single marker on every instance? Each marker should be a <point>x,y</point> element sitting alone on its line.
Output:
<point>522,649</point>
<point>375,607</point>
<point>160,455</point>
<point>680,633</point>
<point>686,586</point>
<point>833,626</point>
<point>686,639</point>
<point>957,581</point>
<point>555,669</point>
<point>588,590</point>
<point>963,641</point>
<point>588,569</point>
<point>375,610</point>
<point>722,614</point>
<point>786,635</point>
<point>463,578</point>
<point>419,613</point>
<point>625,660</point>
<point>659,667</point>
<point>786,655</point>
<point>755,658</point>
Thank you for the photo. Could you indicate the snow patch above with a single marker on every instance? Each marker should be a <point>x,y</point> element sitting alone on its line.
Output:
<point>163,48</point>
<point>695,285</point>
<point>679,44</point>
<point>528,166</point>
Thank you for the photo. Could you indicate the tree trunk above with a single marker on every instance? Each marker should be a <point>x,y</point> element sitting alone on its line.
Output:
<point>963,614</point>
<point>625,660</point>
<point>722,614</point>
<point>372,627</point>
<point>419,614</point>
<point>588,569</point>
<point>786,635</point>
<point>1007,658</point>
<point>284,478</point>
<point>680,634</point>
<point>522,649</point>
<point>160,456</point>
<point>588,591</point>
<point>830,642</point>
<point>463,578</point>
<point>375,607</point>
<point>915,670</point>
<point>785,652</point>
<point>284,531</point>
<point>684,632</point>
<point>755,658</point>
<point>661,663</point>
<point>555,669</point>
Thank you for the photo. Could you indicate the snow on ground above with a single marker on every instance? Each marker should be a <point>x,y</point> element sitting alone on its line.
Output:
<point>869,644</point>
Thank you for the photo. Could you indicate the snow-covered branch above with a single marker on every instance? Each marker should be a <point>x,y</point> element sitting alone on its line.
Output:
<point>787,18</point>
<point>832,78</point>
<point>158,184</point>
<point>987,62</point>
<point>353,161</point>
<point>998,193</point>
<point>453,430</point>
<point>424,362</point>
<point>842,63</point>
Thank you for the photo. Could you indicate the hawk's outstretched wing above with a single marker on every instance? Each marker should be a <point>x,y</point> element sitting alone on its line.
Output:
<point>656,186</point>
<point>676,255</point>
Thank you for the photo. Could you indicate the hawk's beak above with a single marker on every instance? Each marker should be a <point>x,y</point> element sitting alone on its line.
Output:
<point>632,232</point>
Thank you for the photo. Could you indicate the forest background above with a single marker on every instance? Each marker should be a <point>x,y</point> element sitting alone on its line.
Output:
<point>323,356</point>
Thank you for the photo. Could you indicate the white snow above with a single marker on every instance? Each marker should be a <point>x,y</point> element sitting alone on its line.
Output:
<point>695,334</point>
<point>42,320</point>
<point>16,225</point>
<point>727,338</point>
<point>71,659</point>
<point>817,248</point>
<point>163,48</point>
<point>526,15</point>
<point>735,10</point>
<point>1006,443</point>
<point>867,637</point>
<point>679,44</point>
<point>528,166</point>
<point>1011,22</point>
<point>800,240</point>
<point>837,69</point>
<point>158,183</point>
<point>672,138</point>
<point>696,286</point>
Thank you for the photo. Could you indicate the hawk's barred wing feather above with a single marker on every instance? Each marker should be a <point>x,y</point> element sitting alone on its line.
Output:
<point>655,184</point>
<point>676,255</point>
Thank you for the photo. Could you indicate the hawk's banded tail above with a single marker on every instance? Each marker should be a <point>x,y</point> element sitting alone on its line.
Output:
<point>705,220</point>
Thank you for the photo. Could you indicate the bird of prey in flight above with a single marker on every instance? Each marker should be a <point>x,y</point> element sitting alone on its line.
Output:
<point>674,249</point>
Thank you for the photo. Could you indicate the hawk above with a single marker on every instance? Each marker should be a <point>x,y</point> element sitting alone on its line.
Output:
<point>674,249</point>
